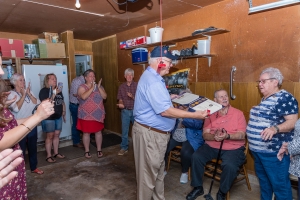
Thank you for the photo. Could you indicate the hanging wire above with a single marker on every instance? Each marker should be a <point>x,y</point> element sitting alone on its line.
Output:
<point>160,11</point>
<point>127,15</point>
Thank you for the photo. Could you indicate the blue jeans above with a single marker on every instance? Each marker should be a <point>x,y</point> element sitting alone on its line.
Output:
<point>126,117</point>
<point>30,141</point>
<point>273,175</point>
<point>75,132</point>
<point>52,125</point>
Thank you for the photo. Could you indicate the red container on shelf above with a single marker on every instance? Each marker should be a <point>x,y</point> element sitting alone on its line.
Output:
<point>12,47</point>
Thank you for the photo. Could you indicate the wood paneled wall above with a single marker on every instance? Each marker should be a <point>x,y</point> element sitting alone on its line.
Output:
<point>83,47</point>
<point>106,67</point>
<point>247,95</point>
<point>27,38</point>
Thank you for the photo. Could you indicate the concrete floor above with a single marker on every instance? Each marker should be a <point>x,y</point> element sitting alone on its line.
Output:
<point>111,177</point>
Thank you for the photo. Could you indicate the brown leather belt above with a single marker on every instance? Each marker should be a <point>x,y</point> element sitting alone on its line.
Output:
<point>153,129</point>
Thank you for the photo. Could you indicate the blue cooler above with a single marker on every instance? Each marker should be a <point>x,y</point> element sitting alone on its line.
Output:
<point>139,55</point>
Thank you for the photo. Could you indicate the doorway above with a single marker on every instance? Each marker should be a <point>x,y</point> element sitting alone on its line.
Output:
<point>82,63</point>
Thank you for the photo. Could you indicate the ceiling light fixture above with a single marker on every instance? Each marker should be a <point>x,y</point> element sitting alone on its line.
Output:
<point>44,4</point>
<point>77,4</point>
<point>271,6</point>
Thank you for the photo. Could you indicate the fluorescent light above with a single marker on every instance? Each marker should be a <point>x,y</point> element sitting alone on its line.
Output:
<point>273,5</point>
<point>85,12</point>
<point>77,4</point>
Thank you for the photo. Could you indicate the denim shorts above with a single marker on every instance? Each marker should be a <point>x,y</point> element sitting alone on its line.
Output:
<point>52,125</point>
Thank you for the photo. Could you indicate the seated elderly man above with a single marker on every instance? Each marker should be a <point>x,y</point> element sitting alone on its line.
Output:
<point>233,122</point>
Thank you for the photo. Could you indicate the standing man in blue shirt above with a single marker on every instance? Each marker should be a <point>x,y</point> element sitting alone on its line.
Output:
<point>154,117</point>
<point>125,96</point>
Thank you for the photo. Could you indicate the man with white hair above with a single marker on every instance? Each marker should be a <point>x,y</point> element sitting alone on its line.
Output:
<point>154,117</point>
<point>125,97</point>
<point>227,124</point>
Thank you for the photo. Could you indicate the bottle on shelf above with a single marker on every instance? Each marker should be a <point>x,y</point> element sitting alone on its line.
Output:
<point>194,49</point>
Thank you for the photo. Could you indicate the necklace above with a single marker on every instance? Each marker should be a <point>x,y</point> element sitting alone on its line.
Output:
<point>27,99</point>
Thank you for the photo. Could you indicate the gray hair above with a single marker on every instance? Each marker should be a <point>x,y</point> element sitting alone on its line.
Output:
<point>151,60</point>
<point>129,71</point>
<point>215,94</point>
<point>274,73</point>
<point>13,79</point>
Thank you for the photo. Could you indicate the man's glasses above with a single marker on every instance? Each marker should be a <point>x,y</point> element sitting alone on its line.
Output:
<point>263,81</point>
<point>169,61</point>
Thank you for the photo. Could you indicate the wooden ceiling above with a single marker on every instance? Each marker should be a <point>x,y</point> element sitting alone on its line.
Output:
<point>36,16</point>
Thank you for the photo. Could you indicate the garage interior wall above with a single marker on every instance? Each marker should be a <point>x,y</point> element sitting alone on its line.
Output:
<point>254,43</point>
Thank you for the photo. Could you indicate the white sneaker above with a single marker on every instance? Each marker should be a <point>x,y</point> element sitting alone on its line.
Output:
<point>184,178</point>
<point>165,173</point>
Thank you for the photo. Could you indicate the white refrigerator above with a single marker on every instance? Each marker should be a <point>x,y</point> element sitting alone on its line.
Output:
<point>35,75</point>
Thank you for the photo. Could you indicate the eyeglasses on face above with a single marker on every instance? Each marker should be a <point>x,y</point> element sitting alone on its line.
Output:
<point>169,61</point>
<point>263,81</point>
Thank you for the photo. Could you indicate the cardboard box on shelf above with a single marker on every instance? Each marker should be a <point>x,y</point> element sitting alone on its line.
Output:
<point>31,51</point>
<point>56,50</point>
<point>49,37</point>
<point>123,45</point>
<point>131,42</point>
<point>12,47</point>
<point>50,50</point>
<point>41,46</point>
<point>143,40</point>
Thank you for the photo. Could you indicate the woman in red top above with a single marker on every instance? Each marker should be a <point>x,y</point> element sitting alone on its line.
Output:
<point>91,111</point>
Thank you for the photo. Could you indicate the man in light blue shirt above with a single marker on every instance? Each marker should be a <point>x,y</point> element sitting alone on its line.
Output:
<point>154,117</point>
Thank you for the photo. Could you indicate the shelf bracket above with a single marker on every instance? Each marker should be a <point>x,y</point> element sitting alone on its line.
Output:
<point>233,69</point>
<point>30,59</point>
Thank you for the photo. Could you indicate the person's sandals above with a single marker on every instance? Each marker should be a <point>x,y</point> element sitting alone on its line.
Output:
<point>99,154</point>
<point>37,171</point>
<point>50,160</point>
<point>87,154</point>
<point>59,156</point>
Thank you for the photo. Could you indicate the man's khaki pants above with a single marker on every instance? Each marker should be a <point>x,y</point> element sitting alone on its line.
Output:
<point>149,151</point>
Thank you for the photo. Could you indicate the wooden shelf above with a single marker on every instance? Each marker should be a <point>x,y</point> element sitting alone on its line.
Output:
<point>43,59</point>
<point>174,41</point>
<point>140,63</point>
<point>13,58</point>
<point>197,56</point>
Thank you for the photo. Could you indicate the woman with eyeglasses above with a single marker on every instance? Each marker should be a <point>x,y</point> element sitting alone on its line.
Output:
<point>91,112</point>
<point>12,166</point>
<point>22,108</point>
<point>52,126</point>
<point>271,124</point>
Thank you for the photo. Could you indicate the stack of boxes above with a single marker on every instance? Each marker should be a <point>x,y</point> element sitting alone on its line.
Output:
<point>135,42</point>
<point>48,46</point>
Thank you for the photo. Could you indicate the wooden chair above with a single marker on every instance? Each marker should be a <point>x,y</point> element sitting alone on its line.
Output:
<point>210,166</point>
<point>174,155</point>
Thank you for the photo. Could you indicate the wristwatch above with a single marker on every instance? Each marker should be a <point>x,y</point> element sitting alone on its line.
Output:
<point>228,137</point>
<point>276,128</point>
